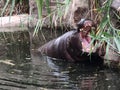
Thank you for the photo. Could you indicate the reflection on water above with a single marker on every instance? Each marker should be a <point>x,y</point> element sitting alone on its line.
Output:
<point>22,68</point>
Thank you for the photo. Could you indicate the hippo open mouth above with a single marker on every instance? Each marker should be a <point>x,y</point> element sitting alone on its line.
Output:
<point>85,36</point>
<point>86,44</point>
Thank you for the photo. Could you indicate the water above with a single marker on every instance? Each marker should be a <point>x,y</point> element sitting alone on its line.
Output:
<point>22,68</point>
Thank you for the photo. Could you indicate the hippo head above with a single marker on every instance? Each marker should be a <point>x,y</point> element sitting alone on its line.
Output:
<point>85,26</point>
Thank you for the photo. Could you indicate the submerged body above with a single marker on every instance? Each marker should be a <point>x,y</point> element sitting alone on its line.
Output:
<point>73,46</point>
<point>62,46</point>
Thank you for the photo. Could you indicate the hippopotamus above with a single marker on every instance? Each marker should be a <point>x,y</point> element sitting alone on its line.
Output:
<point>74,45</point>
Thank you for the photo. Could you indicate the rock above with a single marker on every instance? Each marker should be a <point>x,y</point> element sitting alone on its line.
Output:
<point>14,21</point>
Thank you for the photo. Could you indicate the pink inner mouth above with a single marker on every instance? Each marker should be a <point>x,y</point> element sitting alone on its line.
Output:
<point>86,44</point>
<point>84,34</point>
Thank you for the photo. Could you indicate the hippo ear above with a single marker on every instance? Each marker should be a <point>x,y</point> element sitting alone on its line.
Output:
<point>80,24</point>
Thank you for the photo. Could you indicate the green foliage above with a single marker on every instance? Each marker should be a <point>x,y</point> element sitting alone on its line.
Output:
<point>39,6</point>
<point>54,16</point>
<point>107,33</point>
<point>48,9</point>
<point>13,5</point>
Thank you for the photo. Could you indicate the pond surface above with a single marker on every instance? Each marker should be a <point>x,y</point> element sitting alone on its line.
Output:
<point>22,68</point>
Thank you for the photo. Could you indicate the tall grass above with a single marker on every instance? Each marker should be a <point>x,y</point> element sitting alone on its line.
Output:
<point>106,32</point>
<point>55,16</point>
